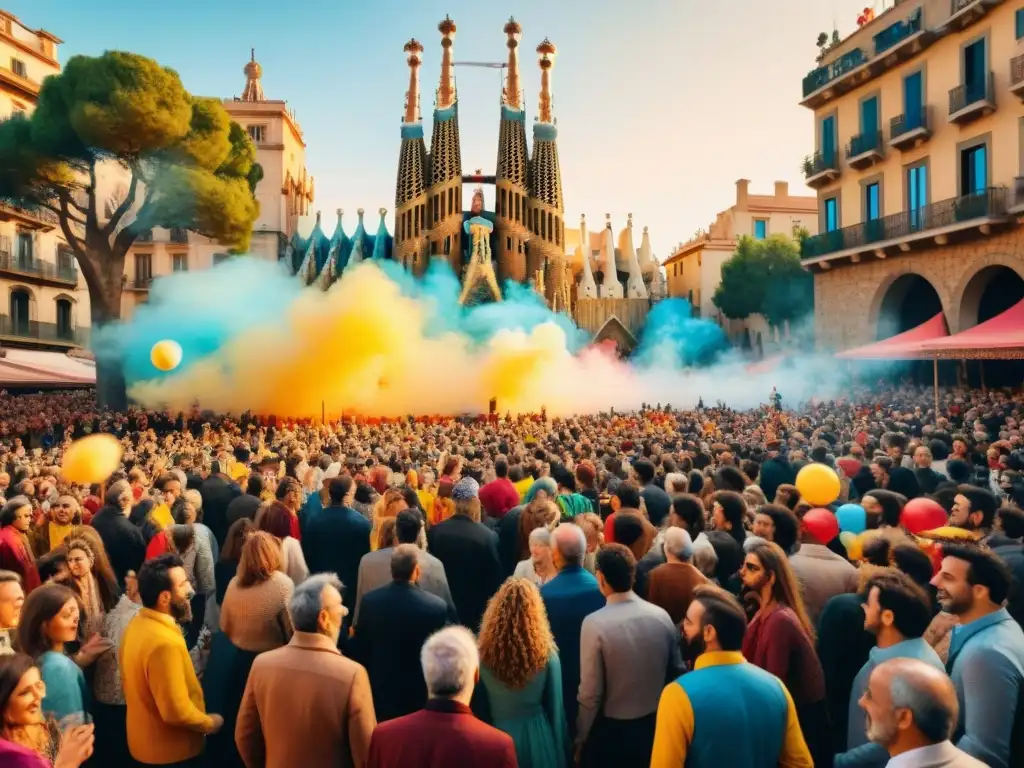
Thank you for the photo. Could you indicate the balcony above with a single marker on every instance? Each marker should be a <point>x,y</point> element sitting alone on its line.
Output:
<point>37,270</point>
<point>907,131</point>
<point>969,101</point>
<point>821,169</point>
<point>13,328</point>
<point>179,236</point>
<point>963,13</point>
<point>139,284</point>
<point>1018,196</point>
<point>146,236</point>
<point>1017,76</point>
<point>932,224</point>
<point>29,217</point>
<point>24,85</point>
<point>864,150</point>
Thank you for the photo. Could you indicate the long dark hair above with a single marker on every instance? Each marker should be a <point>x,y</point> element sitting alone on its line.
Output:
<point>12,668</point>
<point>42,604</point>
<point>786,589</point>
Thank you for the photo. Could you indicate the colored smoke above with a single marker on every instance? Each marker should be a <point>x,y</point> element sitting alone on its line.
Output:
<point>380,342</point>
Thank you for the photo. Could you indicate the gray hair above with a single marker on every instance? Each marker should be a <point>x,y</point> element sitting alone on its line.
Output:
<point>676,482</point>
<point>678,544</point>
<point>705,560</point>
<point>934,717</point>
<point>307,600</point>
<point>752,541</point>
<point>450,660</point>
<point>571,543</point>
<point>404,558</point>
<point>540,536</point>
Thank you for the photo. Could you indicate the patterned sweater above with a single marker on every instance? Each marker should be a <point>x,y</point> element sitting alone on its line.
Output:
<point>256,618</point>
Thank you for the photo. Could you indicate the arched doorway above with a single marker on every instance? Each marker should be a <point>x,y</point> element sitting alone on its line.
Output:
<point>989,293</point>
<point>65,319</point>
<point>20,311</point>
<point>909,301</point>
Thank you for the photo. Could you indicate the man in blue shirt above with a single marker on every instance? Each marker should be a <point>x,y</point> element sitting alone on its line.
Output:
<point>986,654</point>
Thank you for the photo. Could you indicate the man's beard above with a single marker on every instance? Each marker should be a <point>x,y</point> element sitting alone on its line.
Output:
<point>956,605</point>
<point>182,611</point>
<point>693,649</point>
<point>881,733</point>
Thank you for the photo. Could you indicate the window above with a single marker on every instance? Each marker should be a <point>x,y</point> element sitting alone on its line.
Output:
<point>18,67</point>
<point>143,267</point>
<point>917,194</point>
<point>25,249</point>
<point>65,328</point>
<point>973,169</point>
<point>831,214</point>
<point>220,258</point>
<point>872,202</point>
<point>1018,19</point>
<point>975,74</point>
<point>869,115</point>
<point>179,262</point>
<point>760,229</point>
<point>827,140</point>
<point>20,310</point>
<point>508,244</point>
<point>913,100</point>
<point>257,133</point>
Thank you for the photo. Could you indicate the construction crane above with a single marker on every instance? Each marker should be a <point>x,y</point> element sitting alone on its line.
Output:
<point>483,64</point>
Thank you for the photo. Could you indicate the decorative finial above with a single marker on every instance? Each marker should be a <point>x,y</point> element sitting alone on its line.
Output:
<point>253,90</point>
<point>510,94</point>
<point>608,220</point>
<point>340,212</point>
<point>318,217</point>
<point>383,212</point>
<point>446,91</point>
<point>629,220</point>
<point>583,218</point>
<point>413,49</point>
<point>547,51</point>
<point>360,212</point>
<point>645,229</point>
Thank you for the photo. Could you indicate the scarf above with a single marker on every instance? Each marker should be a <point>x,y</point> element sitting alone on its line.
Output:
<point>57,534</point>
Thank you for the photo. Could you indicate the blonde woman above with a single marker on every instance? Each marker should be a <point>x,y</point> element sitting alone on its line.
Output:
<point>521,675</point>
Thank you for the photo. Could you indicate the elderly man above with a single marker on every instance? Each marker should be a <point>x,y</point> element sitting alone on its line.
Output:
<point>569,598</point>
<point>912,710</point>
<point>444,733</point>
<point>306,704</point>
<point>671,585</point>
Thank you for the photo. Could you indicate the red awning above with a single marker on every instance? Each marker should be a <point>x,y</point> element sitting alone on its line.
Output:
<point>1000,338</point>
<point>908,345</point>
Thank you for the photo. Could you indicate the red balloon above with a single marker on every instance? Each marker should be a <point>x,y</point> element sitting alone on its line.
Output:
<point>850,467</point>
<point>922,514</point>
<point>821,524</point>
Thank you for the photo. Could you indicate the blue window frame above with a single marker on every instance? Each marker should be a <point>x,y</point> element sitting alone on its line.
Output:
<point>913,100</point>
<point>975,75</point>
<point>973,169</point>
<point>1018,19</point>
<point>869,115</point>
<point>917,194</point>
<point>760,229</point>
<point>872,202</point>
<point>831,214</point>
<point>828,137</point>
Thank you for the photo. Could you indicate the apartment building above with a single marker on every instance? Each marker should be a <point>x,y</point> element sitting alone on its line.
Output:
<point>917,166</point>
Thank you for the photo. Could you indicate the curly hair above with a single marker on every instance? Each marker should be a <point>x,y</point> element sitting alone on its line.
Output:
<point>515,637</point>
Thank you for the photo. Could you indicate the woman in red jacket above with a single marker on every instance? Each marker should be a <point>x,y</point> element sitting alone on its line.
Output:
<point>15,550</point>
<point>780,640</point>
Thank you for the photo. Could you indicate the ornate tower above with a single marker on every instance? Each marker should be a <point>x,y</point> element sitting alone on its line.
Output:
<point>546,208</point>
<point>444,207</point>
<point>410,190</point>
<point>511,180</point>
<point>253,87</point>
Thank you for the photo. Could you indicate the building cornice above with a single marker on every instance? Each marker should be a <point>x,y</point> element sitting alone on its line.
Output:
<point>25,48</point>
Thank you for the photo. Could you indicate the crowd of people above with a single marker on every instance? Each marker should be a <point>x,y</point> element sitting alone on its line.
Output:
<point>621,589</point>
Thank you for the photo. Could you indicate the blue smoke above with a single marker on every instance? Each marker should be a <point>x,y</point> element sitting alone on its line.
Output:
<point>203,310</point>
<point>672,337</point>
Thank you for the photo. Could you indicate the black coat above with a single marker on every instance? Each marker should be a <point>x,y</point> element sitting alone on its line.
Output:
<point>394,622</point>
<point>124,543</point>
<point>469,552</point>
<point>217,493</point>
<point>508,539</point>
<point>334,542</point>
<point>242,506</point>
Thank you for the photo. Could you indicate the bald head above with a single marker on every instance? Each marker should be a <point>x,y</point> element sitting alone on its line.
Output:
<point>678,545</point>
<point>570,544</point>
<point>900,686</point>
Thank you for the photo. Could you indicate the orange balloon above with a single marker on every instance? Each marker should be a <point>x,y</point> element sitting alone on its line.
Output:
<point>92,459</point>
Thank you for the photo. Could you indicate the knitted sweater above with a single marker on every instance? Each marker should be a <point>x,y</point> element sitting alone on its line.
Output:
<point>256,618</point>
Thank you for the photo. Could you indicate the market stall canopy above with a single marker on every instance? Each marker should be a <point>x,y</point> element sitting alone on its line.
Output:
<point>908,345</point>
<point>32,368</point>
<point>1001,338</point>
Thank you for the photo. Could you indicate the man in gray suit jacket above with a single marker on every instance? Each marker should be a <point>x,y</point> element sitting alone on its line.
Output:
<point>375,567</point>
<point>912,710</point>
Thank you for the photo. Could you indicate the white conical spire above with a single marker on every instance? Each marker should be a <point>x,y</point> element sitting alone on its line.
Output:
<point>611,288</point>
<point>635,288</point>
<point>646,255</point>
<point>587,289</point>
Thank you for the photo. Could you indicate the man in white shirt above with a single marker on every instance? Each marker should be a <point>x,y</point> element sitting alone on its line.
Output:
<point>912,710</point>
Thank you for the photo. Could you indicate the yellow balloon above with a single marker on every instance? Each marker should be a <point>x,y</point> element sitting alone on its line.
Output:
<point>818,484</point>
<point>166,355</point>
<point>92,459</point>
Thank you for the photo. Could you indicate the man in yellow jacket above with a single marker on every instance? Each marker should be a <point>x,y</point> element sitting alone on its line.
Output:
<point>167,720</point>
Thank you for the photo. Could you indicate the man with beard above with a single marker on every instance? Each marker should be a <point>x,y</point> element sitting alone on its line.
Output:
<point>911,710</point>
<point>974,509</point>
<point>167,719</point>
<point>986,654</point>
<point>746,715</point>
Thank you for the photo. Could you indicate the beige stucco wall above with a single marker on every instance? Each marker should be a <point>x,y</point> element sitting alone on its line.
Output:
<point>941,64</point>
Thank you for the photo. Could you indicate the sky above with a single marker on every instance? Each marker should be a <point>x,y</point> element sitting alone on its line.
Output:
<point>661,104</point>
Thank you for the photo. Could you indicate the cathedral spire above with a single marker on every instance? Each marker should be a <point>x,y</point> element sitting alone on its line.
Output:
<point>511,95</point>
<point>413,49</point>
<point>547,52</point>
<point>446,91</point>
<point>253,72</point>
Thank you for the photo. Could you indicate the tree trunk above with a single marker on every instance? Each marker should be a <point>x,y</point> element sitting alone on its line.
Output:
<point>105,300</point>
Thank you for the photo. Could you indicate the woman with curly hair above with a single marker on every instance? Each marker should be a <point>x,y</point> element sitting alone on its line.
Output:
<point>521,676</point>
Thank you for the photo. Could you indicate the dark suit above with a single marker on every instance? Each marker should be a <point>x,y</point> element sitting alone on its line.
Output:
<point>124,543</point>
<point>441,735</point>
<point>217,492</point>
<point>394,622</point>
<point>334,542</point>
<point>508,540</point>
<point>469,551</point>
<point>242,506</point>
<point>569,598</point>
<point>657,502</point>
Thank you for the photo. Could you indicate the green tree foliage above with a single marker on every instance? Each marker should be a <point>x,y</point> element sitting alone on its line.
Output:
<point>185,164</point>
<point>765,277</point>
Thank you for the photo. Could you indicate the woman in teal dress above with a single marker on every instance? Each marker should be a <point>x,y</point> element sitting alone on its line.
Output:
<point>520,676</point>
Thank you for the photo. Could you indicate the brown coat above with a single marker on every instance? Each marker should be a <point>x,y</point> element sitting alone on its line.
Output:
<point>671,586</point>
<point>305,705</point>
<point>822,575</point>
